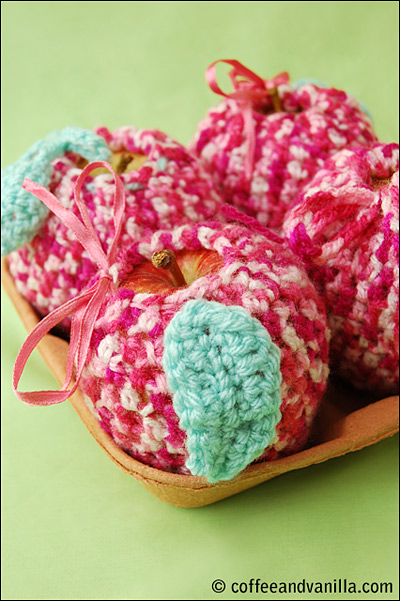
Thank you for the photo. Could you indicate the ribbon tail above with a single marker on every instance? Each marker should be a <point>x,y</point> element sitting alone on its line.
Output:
<point>45,397</point>
<point>85,235</point>
<point>84,322</point>
<point>249,128</point>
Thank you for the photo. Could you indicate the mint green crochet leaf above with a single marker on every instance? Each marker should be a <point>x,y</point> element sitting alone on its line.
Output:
<point>22,214</point>
<point>224,373</point>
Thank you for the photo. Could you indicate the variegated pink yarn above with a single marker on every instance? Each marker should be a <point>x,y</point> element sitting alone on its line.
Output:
<point>346,228</point>
<point>170,189</point>
<point>290,146</point>
<point>124,383</point>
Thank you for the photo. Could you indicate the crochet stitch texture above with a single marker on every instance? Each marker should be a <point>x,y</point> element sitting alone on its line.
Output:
<point>346,228</point>
<point>290,146</point>
<point>22,214</point>
<point>169,189</point>
<point>124,382</point>
<point>224,373</point>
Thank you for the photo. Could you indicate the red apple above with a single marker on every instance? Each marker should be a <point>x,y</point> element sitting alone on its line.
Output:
<point>121,162</point>
<point>168,271</point>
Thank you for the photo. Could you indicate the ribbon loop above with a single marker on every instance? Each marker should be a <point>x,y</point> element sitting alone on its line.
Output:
<point>86,306</point>
<point>250,87</point>
<point>249,90</point>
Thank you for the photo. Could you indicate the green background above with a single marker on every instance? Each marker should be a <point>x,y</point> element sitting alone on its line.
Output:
<point>74,526</point>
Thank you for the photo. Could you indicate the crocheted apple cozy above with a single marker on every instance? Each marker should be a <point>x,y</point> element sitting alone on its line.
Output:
<point>290,145</point>
<point>346,228</point>
<point>206,377</point>
<point>169,187</point>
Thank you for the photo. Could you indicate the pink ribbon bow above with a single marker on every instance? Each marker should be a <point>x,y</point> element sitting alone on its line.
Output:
<point>86,306</point>
<point>249,90</point>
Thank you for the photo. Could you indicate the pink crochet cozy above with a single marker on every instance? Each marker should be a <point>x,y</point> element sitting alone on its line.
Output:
<point>125,383</point>
<point>292,140</point>
<point>346,228</point>
<point>170,188</point>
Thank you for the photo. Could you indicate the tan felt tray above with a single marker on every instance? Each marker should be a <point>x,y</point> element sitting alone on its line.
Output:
<point>347,421</point>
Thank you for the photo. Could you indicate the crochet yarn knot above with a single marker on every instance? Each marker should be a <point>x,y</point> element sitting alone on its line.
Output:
<point>111,274</point>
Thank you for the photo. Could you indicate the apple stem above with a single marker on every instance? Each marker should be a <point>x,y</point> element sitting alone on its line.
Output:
<point>124,161</point>
<point>276,101</point>
<point>379,182</point>
<point>166,259</point>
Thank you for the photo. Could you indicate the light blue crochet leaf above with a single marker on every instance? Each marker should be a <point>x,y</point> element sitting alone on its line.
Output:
<point>22,214</point>
<point>224,373</point>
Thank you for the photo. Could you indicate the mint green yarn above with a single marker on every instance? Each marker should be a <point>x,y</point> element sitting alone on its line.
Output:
<point>162,162</point>
<point>224,373</point>
<point>22,214</point>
